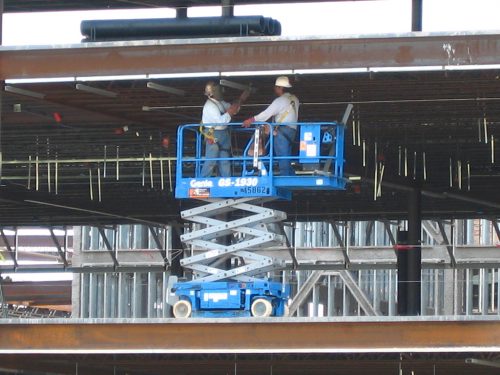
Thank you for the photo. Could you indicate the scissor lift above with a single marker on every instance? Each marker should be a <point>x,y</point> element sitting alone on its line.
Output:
<point>228,278</point>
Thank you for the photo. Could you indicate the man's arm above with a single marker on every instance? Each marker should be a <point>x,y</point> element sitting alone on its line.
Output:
<point>272,110</point>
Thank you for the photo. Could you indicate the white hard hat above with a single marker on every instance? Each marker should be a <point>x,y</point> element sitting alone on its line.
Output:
<point>283,81</point>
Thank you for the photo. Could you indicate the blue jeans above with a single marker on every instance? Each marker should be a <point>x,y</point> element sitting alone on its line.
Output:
<point>219,149</point>
<point>283,147</point>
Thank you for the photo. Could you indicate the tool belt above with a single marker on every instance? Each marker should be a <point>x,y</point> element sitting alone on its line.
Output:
<point>209,134</point>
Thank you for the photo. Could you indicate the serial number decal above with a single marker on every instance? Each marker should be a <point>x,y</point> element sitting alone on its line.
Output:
<point>254,190</point>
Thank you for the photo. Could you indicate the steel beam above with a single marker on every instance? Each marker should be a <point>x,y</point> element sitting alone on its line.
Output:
<point>497,229</point>
<point>304,291</point>
<point>323,258</point>
<point>446,241</point>
<point>159,244</point>
<point>358,293</point>
<point>248,54</point>
<point>12,252</point>
<point>60,249</point>
<point>341,242</point>
<point>112,250</point>
<point>249,336</point>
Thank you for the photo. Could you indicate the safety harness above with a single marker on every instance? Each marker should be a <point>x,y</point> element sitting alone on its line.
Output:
<point>291,107</point>
<point>208,132</point>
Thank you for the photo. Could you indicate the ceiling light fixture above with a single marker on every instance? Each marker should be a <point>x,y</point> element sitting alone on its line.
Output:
<point>40,80</point>
<point>472,67</point>
<point>331,71</point>
<point>95,90</point>
<point>170,90</point>
<point>236,85</point>
<point>482,362</point>
<point>123,77</point>
<point>17,90</point>
<point>258,73</point>
<point>184,75</point>
<point>391,69</point>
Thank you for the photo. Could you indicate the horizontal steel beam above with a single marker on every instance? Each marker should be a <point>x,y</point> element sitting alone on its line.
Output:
<point>130,258</point>
<point>250,336</point>
<point>322,258</point>
<point>248,54</point>
<point>37,293</point>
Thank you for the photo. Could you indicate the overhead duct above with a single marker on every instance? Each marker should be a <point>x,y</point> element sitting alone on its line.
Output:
<point>159,28</point>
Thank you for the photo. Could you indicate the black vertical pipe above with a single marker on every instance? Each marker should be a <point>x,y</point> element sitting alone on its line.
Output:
<point>416,15</point>
<point>402,263</point>
<point>227,8</point>
<point>2,84</point>
<point>409,258</point>
<point>414,252</point>
<point>181,12</point>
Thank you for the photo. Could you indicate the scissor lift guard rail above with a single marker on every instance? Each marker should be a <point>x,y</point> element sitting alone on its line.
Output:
<point>228,278</point>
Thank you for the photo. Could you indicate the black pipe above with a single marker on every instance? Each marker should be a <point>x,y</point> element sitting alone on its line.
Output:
<point>227,8</point>
<point>409,258</point>
<point>415,253</point>
<point>96,30</point>
<point>402,248</point>
<point>181,12</point>
<point>416,15</point>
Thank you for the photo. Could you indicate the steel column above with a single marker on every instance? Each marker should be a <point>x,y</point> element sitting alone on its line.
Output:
<point>415,252</point>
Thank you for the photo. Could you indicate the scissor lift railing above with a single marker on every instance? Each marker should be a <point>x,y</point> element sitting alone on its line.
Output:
<point>320,154</point>
<point>319,159</point>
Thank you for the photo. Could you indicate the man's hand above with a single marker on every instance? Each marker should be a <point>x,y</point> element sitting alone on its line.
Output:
<point>248,122</point>
<point>233,109</point>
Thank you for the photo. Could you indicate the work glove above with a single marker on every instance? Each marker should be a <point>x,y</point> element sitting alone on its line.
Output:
<point>233,109</point>
<point>248,122</point>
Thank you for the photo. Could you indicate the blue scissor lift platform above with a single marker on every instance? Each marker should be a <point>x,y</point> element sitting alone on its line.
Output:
<point>229,278</point>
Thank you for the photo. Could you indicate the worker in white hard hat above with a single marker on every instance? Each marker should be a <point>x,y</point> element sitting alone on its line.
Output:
<point>216,115</point>
<point>283,109</point>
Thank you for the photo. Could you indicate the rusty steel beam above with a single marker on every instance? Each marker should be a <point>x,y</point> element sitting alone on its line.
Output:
<point>38,293</point>
<point>248,54</point>
<point>250,336</point>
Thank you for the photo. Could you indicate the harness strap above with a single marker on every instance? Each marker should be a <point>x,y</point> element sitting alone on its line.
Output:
<point>291,106</point>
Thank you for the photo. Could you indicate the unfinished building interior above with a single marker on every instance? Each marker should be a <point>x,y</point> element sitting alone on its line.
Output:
<point>87,188</point>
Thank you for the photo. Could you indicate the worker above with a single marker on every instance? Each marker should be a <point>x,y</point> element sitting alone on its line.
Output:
<point>217,114</point>
<point>284,109</point>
